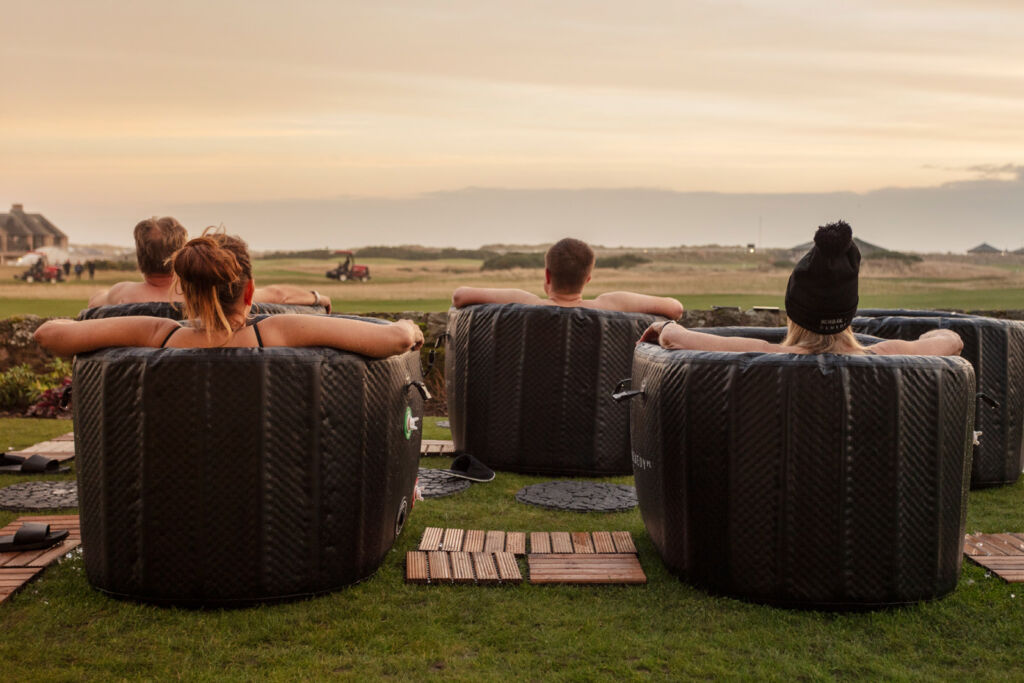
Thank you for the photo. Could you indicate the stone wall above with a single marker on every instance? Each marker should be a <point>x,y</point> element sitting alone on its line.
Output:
<point>18,346</point>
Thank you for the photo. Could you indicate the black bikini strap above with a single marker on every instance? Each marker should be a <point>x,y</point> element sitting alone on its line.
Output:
<point>256,329</point>
<point>168,337</point>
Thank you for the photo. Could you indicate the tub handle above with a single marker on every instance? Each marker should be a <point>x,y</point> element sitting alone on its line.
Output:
<point>65,398</point>
<point>421,387</point>
<point>992,403</point>
<point>623,394</point>
<point>432,354</point>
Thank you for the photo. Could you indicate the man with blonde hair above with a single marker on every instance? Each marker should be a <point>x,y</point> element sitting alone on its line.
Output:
<point>156,239</point>
<point>568,265</point>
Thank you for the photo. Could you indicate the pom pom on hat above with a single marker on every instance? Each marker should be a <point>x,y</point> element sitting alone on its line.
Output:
<point>833,239</point>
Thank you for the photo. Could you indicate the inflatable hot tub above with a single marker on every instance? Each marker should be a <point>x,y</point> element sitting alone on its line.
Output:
<point>529,387</point>
<point>165,309</point>
<point>996,350</point>
<point>234,476</point>
<point>825,481</point>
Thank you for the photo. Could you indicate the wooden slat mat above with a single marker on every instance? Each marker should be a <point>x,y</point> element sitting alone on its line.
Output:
<point>18,568</point>
<point>580,542</point>
<point>1002,554</point>
<point>61,448</point>
<point>576,568</point>
<point>436,447</point>
<point>480,568</point>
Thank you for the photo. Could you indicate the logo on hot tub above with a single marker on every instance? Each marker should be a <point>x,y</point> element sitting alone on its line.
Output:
<point>409,424</point>
<point>640,462</point>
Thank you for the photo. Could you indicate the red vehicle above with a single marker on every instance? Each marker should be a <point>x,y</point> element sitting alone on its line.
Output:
<point>348,269</point>
<point>41,270</point>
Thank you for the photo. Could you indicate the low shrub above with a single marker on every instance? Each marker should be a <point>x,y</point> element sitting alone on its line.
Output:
<point>514,260</point>
<point>621,261</point>
<point>21,388</point>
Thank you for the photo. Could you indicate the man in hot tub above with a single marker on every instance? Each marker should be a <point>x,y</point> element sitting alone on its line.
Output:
<point>568,265</point>
<point>156,241</point>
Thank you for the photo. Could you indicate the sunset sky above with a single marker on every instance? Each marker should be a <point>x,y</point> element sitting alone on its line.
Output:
<point>112,109</point>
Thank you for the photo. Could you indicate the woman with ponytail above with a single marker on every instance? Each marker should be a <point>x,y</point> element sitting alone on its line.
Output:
<point>821,301</point>
<point>214,274</point>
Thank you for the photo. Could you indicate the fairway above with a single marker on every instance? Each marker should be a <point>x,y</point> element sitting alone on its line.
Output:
<point>698,278</point>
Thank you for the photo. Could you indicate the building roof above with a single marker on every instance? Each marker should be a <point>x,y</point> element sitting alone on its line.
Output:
<point>17,222</point>
<point>866,248</point>
<point>984,248</point>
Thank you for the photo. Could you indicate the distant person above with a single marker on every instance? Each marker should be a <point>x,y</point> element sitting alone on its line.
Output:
<point>215,275</point>
<point>78,270</point>
<point>821,301</point>
<point>156,240</point>
<point>568,265</point>
<point>91,265</point>
<point>67,268</point>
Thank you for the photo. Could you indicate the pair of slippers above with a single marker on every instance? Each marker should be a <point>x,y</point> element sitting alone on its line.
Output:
<point>33,464</point>
<point>31,536</point>
<point>465,466</point>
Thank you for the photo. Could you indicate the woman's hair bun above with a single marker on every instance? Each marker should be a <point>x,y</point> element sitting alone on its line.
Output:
<point>834,238</point>
<point>205,263</point>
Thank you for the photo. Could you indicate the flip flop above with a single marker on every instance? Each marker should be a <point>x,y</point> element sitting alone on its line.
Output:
<point>33,464</point>
<point>465,466</point>
<point>32,536</point>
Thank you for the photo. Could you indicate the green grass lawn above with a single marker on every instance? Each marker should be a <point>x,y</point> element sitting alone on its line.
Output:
<point>59,628</point>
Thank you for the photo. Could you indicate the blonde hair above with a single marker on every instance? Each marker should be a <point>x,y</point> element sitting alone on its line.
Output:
<point>213,271</point>
<point>812,342</point>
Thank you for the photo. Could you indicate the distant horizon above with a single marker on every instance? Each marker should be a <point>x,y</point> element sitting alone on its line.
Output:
<point>952,217</point>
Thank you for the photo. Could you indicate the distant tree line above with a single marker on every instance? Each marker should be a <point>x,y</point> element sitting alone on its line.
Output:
<point>411,253</point>
<point>308,253</point>
<point>535,259</point>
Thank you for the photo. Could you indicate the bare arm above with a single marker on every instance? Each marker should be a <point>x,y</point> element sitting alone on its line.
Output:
<point>290,294</point>
<point>368,339</point>
<point>672,336</point>
<point>463,296</point>
<point>631,302</point>
<point>100,298</point>
<point>68,337</point>
<point>931,343</point>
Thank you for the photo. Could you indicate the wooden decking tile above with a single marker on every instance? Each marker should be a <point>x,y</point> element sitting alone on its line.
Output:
<point>623,542</point>
<point>581,542</point>
<point>11,579</point>
<point>439,569</point>
<point>1002,554</point>
<point>474,542</point>
<point>540,542</point>
<point>508,568</point>
<point>431,538</point>
<point>486,572</point>
<point>586,569</point>
<point>462,567</point>
<point>452,540</point>
<point>436,447</point>
<point>561,542</point>
<point>416,567</point>
<point>495,542</point>
<point>603,542</point>
<point>515,542</point>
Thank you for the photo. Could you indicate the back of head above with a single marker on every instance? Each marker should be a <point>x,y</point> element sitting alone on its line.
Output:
<point>843,341</point>
<point>569,261</point>
<point>213,271</point>
<point>822,292</point>
<point>156,239</point>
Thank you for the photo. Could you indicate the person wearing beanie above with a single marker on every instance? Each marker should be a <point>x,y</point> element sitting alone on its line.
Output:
<point>821,301</point>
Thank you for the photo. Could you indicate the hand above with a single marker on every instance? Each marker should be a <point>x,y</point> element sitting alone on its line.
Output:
<point>415,331</point>
<point>652,334</point>
<point>325,301</point>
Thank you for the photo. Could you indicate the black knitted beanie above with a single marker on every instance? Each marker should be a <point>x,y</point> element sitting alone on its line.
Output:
<point>822,292</point>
